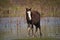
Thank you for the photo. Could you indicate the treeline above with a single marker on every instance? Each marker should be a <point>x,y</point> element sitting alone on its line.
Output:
<point>13,8</point>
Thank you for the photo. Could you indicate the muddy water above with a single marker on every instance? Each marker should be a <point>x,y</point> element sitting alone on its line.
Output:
<point>16,27</point>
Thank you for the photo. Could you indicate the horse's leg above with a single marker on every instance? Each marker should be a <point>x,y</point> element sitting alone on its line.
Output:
<point>38,26</point>
<point>28,29</point>
<point>32,30</point>
<point>36,31</point>
<point>40,31</point>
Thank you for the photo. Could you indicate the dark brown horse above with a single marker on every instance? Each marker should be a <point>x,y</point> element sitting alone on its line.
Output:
<point>33,18</point>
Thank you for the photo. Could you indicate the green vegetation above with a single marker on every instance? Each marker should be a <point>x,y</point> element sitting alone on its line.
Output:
<point>49,8</point>
<point>38,39</point>
<point>2,35</point>
<point>4,3</point>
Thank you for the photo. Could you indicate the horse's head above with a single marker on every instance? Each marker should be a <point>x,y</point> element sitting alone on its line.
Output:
<point>28,9</point>
<point>28,12</point>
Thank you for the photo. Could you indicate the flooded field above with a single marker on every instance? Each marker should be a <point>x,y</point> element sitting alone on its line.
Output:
<point>16,27</point>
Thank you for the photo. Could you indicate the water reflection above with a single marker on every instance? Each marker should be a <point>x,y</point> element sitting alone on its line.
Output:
<point>9,26</point>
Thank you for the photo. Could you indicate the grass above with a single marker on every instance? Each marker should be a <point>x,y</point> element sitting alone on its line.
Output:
<point>38,39</point>
<point>1,35</point>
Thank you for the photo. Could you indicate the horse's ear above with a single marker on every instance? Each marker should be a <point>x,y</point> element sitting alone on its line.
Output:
<point>30,9</point>
<point>26,8</point>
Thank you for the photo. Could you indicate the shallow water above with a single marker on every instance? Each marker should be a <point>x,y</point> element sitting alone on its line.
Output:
<point>9,26</point>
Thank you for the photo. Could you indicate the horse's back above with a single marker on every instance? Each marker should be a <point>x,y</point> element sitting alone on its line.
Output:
<point>35,16</point>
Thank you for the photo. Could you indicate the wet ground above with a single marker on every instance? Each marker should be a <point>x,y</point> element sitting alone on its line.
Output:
<point>8,27</point>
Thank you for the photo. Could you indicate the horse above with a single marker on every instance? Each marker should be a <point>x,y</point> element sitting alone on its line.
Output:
<point>33,18</point>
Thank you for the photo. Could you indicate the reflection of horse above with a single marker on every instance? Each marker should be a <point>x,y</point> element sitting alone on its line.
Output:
<point>33,18</point>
